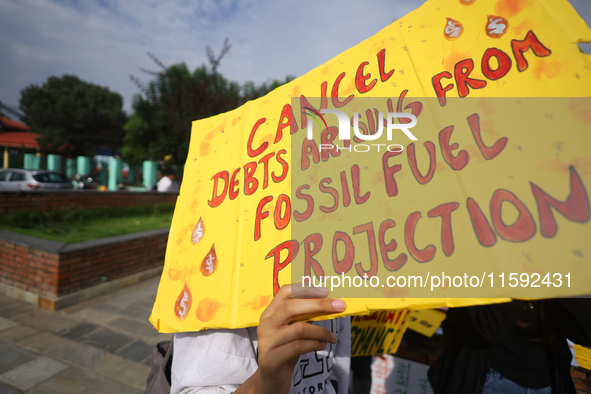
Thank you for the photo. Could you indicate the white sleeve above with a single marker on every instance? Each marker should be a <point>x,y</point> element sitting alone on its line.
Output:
<point>213,361</point>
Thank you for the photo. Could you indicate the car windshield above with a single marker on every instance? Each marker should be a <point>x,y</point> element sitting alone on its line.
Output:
<point>50,177</point>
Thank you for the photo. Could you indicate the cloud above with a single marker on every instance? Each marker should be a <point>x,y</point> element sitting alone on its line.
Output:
<point>104,41</point>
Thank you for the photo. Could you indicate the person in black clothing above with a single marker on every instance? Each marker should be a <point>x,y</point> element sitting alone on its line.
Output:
<point>361,368</point>
<point>517,347</point>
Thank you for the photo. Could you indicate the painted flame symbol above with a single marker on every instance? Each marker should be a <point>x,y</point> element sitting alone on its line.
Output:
<point>453,29</point>
<point>496,26</point>
<point>210,262</point>
<point>198,232</point>
<point>183,303</point>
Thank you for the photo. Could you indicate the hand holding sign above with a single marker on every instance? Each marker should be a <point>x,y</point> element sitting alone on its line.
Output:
<point>281,341</point>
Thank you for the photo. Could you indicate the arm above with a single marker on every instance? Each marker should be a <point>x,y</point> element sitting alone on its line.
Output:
<point>282,341</point>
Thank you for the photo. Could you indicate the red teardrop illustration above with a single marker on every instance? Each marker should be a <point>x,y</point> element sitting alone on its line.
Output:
<point>198,232</point>
<point>183,303</point>
<point>496,26</point>
<point>453,29</point>
<point>210,262</point>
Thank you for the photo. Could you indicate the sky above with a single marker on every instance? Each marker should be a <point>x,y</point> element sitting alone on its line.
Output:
<point>106,41</point>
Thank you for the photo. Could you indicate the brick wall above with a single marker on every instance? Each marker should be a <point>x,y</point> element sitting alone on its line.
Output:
<point>29,268</point>
<point>582,379</point>
<point>87,266</point>
<point>419,348</point>
<point>48,201</point>
<point>54,269</point>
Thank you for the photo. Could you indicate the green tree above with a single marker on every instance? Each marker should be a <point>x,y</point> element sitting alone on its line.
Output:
<point>72,116</point>
<point>160,126</point>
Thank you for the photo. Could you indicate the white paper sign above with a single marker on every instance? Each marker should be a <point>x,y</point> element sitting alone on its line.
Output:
<point>393,375</point>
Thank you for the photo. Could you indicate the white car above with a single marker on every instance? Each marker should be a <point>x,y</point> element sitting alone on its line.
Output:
<point>12,179</point>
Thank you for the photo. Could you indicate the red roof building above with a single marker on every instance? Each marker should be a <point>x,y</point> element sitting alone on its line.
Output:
<point>16,139</point>
<point>15,134</point>
<point>14,125</point>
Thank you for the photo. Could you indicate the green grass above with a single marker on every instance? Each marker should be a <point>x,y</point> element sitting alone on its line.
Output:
<point>75,225</point>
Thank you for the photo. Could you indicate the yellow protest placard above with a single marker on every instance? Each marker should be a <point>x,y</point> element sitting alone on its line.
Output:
<point>490,199</point>
<point>378,333</point>
<point>583,355</point>
<point>426,321</point>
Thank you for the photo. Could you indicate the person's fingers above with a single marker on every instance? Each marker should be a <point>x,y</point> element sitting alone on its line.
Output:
<point>298,307</point>
<point>282,295</point>
<point>298,290</point>
<point>297,331</point>
<point>287,291</point>
<point>289,351</point>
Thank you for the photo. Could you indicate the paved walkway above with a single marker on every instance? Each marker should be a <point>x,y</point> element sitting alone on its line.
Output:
<point>103,345</point>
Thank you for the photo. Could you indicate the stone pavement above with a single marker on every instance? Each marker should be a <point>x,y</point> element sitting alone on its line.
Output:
<point>103,345</point>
